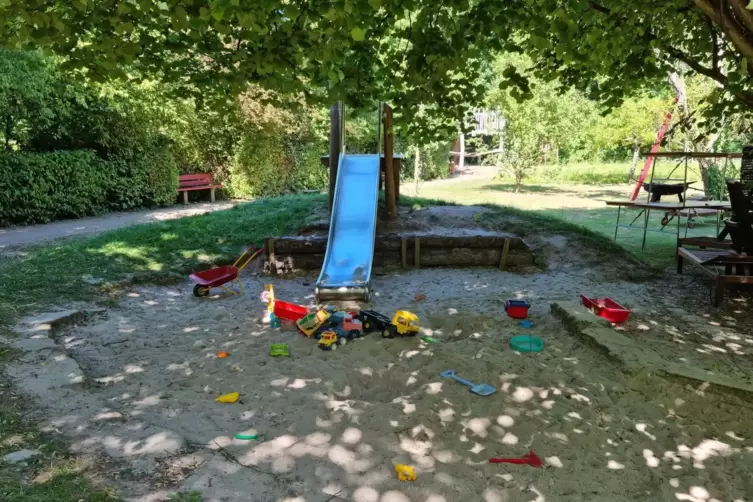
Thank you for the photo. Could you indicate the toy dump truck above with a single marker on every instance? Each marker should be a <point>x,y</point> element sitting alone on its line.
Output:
<point>405,323</point>
<point>374,321</point>
<point>328,341</point>
<point>312,322</point>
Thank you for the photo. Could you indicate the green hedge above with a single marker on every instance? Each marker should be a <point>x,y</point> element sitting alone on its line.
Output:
<point>268,164</point>
<point>42,187</point>
<point>144,176</point>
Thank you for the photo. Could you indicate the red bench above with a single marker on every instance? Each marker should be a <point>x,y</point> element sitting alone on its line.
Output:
<point>190,182</point>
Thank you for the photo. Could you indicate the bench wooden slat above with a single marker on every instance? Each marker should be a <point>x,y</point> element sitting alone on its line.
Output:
<point>718,265</point>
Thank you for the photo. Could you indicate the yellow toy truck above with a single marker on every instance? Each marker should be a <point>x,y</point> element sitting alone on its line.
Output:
<point>312,322</point>
<point>405,324</point>
<point>329,341</point>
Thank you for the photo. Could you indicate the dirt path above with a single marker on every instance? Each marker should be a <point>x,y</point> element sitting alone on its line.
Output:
<point>17,237</point>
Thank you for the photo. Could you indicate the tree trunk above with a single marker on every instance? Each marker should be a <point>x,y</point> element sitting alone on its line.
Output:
<point>417,168</point>
<point>636,156</point>
<point>518,182</point>
<point>389,172</point>
<point>461,161</point>
<point>335,140</point>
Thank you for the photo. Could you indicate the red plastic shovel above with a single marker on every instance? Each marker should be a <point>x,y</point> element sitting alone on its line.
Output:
<point>531,459</point>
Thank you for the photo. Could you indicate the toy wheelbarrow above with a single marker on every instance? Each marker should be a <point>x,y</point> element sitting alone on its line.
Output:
<point>218,277</point>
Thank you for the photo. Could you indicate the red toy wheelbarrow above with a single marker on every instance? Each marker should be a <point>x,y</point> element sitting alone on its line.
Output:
<point>218,277</point>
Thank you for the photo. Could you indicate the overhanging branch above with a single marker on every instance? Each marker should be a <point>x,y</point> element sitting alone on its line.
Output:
<point>744,96</point>
<point>712,73</point>
<point>744,16</point>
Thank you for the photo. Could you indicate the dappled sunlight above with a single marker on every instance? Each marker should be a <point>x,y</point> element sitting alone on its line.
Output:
<point>332,424</point>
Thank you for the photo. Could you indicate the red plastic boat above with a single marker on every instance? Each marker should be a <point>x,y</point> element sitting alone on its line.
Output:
<point>606,308</point>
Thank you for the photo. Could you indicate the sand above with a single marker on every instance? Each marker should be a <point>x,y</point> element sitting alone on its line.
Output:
<point>336,422</point>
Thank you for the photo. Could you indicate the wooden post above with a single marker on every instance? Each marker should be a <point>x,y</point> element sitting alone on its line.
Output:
<point>503,258</point>
<point>404,252</point>
<point>272,257</point>
<point>417,253</point>
<point>334,149</point>
<point>389,169</point>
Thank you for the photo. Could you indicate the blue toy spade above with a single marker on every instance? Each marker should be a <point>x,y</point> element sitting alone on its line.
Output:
<point>480,389</point>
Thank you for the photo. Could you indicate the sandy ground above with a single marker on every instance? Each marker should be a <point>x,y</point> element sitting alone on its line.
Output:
<point>336,422</point>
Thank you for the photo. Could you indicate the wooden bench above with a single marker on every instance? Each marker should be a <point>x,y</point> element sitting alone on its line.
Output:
<point>725,268</point>
<point>191,182</point>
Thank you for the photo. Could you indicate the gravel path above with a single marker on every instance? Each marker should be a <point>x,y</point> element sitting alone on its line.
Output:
<point>18,237</point>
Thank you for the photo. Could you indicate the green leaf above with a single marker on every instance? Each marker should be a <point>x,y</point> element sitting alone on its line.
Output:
<point>180,18</point>
<point>744,66</point>
<point>358,34</point>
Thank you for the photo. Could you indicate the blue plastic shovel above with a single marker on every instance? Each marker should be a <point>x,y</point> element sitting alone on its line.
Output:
<point>480,389</point>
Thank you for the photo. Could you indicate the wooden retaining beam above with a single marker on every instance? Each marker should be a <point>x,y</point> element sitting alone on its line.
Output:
<point>289,254</point>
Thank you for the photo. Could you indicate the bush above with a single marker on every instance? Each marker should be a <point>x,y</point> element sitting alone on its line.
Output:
<point>144,176</point>
<point>434,158</point>
<point>41,187</point>
<point>269,164</point>
<point>279,148</point>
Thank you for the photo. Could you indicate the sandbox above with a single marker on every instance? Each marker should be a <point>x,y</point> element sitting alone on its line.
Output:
<point>335,423</point>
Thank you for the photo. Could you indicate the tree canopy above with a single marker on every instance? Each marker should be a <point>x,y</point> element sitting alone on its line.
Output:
<point>406,52</point>
<point>410,53</point>
<point>613,48</point>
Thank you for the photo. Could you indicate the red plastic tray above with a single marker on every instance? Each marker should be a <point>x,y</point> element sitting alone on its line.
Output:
<point>606,308</point>
<point>289,311</point>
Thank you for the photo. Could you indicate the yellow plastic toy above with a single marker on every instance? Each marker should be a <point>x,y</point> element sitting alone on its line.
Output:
<point>405,322</point>
<point>405,472</point>
<point>268,297</point>
<point>328,341</point>
<point>229,398</point>
<point>312,322</point>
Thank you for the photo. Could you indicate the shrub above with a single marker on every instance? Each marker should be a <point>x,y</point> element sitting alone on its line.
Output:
<point>41,187</point>
<point>268,164</point>
<point>434,159</point>
<point>279,147</point>
<point>147,175</point>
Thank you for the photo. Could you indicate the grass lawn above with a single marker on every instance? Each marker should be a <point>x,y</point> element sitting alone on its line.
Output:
<point>601,173</point>
<point>575,203</point>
